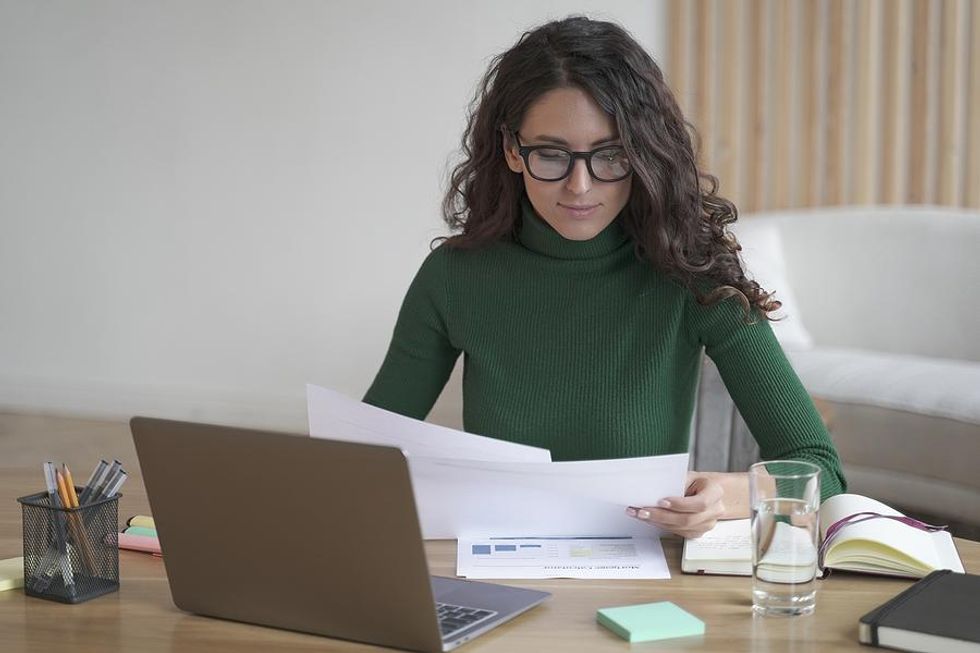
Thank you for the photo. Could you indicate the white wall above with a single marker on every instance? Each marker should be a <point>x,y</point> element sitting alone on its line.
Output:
<point>204,205</point>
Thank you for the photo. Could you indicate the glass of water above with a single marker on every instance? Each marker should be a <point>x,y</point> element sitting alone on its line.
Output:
<point>785,498</point>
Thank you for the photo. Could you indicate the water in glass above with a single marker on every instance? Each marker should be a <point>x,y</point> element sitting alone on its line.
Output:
<point>784,563</point>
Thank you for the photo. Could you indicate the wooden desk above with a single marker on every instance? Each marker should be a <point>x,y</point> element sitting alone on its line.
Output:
<point>141,617</point>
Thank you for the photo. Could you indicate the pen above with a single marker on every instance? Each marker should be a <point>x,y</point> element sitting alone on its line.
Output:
<point>92,480</point>
<point>60,535</point>
<point>117,485</point>
<point>107,475</point>
<point>112,483</point>
<point>45,572</point>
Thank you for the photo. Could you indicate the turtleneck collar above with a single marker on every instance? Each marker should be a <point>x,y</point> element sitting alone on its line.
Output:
<point>539,236</point>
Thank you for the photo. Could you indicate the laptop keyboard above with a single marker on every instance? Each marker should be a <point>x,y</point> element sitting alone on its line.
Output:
<point>454,618</point>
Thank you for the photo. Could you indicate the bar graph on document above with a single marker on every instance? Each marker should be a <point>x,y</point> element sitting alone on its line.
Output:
<point>560,557</point>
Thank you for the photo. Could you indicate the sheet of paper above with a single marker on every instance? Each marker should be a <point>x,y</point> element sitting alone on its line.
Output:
<point>561,557</point>
<point>334,416</point>
<point>467,483</point>
<point>459,498</point>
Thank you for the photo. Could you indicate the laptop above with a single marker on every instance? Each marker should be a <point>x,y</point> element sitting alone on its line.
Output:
<point>306,534</point>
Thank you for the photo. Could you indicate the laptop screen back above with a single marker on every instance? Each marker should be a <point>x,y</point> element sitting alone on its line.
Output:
<point>289,531</point>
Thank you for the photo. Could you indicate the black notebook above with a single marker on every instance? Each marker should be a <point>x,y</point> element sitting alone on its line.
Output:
<point>939,613</point>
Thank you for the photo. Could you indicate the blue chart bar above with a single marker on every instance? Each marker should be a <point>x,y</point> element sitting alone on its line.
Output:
<point>481,549</point>
<point>505,547</point>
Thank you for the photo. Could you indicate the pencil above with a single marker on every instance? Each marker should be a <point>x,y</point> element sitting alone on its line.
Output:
<point>70,486</point>
<point>74,523</point>
<point>62,490</point>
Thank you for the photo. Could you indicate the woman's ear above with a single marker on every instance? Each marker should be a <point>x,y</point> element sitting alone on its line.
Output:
<point>511,154</point>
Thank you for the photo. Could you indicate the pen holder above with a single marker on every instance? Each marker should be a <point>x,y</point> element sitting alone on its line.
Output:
<point>70,555</point>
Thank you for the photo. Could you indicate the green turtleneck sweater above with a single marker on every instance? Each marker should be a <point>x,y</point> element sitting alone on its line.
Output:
<point>582,348</point>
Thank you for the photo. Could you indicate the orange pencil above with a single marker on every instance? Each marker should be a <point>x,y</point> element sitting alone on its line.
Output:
<point>75,524</point>
<point>70,486</point>
<point>62,490</point>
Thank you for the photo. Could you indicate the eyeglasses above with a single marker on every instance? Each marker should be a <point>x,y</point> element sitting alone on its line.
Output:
<point>553,163</point>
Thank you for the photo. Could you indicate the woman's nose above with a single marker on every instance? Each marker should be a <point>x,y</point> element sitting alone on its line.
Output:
<point>579,181</point>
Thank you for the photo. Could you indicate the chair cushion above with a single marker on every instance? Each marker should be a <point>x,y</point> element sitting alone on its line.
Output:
<point>919,384</point>
<point>762,251</point>
<point>888,278</point>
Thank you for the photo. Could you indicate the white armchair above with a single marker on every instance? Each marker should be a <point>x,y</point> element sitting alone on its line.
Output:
<point>883,324</point>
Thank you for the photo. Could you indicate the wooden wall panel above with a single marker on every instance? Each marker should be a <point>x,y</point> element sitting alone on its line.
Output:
<point>831,102</point>
<point>973,126</point>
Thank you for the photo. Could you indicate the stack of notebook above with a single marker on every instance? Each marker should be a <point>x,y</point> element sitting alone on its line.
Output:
<point>140,534</point>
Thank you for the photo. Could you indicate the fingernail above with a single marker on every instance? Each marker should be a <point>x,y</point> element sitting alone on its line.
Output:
<point>643,514</point>
<point>631,512</point>
<point>663,503</point>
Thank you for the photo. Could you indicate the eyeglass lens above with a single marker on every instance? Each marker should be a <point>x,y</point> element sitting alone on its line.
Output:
<point>608,164</point>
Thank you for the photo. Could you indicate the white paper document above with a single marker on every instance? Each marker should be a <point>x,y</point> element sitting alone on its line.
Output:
<point>458,498</point>
<point>561,557</point>
<point>467,484</point>
<point>334,416</point>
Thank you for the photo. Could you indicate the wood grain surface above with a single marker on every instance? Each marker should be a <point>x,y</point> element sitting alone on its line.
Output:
<point>141,617</point>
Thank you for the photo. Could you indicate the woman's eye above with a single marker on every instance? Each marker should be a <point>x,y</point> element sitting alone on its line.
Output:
<point>552,154</point>
<point>612,155</point>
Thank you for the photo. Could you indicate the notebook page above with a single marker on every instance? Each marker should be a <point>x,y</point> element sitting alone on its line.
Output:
<point>933,549</point>
<point>728,540</point>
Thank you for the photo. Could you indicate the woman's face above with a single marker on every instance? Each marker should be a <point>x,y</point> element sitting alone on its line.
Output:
<point>569,117</point>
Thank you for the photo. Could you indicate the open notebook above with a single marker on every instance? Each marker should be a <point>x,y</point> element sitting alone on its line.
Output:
<point>874,546</point>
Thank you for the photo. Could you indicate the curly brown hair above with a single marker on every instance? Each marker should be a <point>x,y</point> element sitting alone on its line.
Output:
<point>674,215</point>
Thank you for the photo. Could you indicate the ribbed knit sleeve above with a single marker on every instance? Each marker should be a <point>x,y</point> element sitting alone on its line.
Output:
<point>766,390</point>
<point>421,356</point>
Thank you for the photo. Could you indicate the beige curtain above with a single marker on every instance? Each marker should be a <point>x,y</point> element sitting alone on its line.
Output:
<point>831,102</point>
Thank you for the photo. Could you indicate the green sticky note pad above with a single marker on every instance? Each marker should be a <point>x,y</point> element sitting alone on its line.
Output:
<point>649,621</point>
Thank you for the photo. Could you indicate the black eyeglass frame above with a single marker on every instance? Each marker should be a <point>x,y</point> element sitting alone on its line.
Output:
<point>525,152</point>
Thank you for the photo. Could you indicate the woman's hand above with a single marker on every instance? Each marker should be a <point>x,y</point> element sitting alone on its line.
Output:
<point>692,515</point>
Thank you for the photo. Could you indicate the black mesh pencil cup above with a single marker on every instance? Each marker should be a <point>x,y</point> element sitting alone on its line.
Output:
<point>70,555</point>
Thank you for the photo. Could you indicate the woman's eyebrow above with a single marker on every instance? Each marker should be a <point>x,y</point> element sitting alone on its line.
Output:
<point>562,141</point>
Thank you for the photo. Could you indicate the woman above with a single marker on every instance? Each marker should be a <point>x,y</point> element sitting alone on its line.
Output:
<point>591,268</point>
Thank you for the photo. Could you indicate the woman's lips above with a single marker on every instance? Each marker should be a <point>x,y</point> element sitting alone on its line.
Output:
<point>579,212</point>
